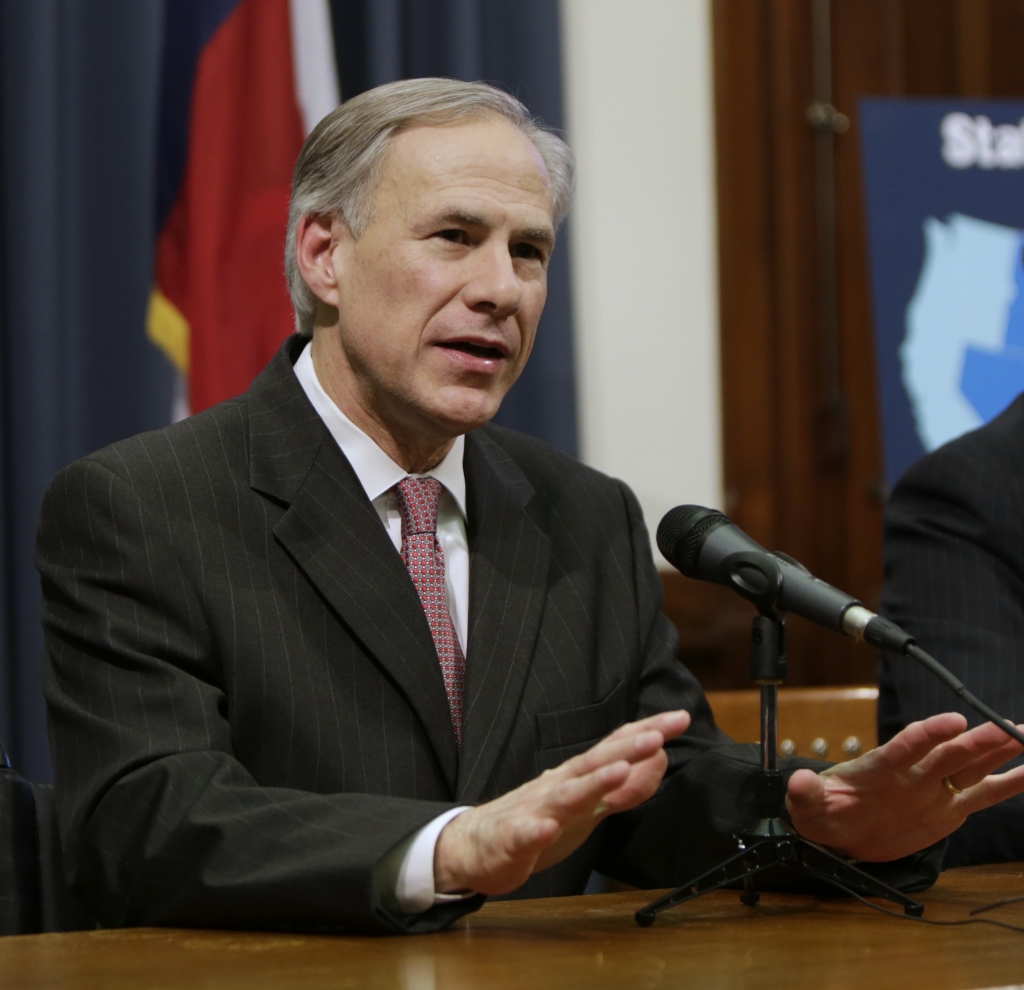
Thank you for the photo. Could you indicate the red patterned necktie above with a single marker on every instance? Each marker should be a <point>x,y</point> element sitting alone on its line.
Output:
<point>424,559</point>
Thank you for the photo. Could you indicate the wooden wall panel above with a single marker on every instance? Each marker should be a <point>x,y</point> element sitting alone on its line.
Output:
<point>798,477</point>
<point>927,48</point>
<point>1007,39</point>
<point>746,236</point>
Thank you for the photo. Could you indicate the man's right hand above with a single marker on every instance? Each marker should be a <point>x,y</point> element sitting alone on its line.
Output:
<point>495,847</point>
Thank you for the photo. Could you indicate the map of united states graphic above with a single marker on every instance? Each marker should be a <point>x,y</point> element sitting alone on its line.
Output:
<point>962,358</point>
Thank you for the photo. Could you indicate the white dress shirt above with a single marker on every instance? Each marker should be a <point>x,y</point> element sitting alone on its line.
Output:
<point>378,474</point>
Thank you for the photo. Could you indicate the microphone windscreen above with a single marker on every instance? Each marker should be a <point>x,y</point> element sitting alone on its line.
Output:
<point>681,535</point>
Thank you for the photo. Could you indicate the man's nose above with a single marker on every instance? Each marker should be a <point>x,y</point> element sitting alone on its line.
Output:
<point>494,288</point>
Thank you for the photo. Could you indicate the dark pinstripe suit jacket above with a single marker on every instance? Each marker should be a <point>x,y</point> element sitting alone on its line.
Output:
<point>246,707</point>
<point>954,577</point>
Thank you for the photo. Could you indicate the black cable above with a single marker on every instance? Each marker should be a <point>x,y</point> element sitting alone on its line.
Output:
<point>933,921</point>
<point>996,904</point>
<point>956,686</point>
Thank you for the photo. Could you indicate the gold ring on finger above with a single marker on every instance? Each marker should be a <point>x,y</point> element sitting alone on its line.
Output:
<point>951,787</point>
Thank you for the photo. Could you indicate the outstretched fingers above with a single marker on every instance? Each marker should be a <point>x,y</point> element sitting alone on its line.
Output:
<point>641,784</point>
<point>613,776</point>
<point>633,748</point>
<point>669,724</point>
<point>971,756</point>
<point>912,744</point>
<point>579,795</point>
<point>993,789</point>
<point>633,742</point>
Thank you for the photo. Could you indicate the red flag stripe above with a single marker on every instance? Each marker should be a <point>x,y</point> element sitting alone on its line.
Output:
<point>219,256</point>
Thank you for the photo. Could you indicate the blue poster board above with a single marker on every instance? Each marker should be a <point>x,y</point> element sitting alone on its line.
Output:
<point>945,196</point>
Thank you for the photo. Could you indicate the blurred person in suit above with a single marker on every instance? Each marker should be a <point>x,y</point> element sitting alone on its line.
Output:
<point>954,578</point>
<point>337,653</point>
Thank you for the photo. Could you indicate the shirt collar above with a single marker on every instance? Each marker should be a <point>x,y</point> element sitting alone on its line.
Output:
<point>376,471</point>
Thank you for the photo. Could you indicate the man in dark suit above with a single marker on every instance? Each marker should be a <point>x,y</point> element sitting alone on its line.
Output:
<point>954,577</point>
<point>337,653</point>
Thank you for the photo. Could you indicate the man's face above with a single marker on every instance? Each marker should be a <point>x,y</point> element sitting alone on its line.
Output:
<point>439,298</point>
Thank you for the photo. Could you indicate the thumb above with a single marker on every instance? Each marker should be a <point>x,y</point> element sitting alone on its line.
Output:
<point>805,792</point>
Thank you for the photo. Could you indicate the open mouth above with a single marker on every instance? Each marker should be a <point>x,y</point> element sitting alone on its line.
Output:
<point>476,350</point>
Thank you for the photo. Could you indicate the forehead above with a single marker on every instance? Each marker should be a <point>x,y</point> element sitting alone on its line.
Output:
<point>487,160</point>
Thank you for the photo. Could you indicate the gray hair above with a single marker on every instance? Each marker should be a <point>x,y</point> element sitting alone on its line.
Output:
<point>344,157</point>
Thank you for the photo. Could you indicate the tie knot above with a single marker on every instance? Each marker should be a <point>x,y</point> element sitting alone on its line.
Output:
<point>417,503</point>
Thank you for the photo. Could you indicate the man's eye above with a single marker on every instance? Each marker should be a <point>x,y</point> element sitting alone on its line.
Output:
<point>527,251</point>
<point>455,235</point>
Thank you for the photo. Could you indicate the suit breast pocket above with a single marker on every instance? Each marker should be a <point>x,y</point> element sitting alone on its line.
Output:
<point>564,734</point>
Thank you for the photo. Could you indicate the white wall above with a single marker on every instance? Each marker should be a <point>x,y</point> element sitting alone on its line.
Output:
<point>644,256</point>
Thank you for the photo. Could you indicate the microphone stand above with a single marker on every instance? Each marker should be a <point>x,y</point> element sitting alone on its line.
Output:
<point>772,843</point>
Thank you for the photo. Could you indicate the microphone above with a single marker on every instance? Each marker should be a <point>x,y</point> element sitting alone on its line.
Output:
<point>705,544</point>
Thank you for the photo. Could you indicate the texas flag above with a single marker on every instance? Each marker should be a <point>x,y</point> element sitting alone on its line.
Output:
<point>242,84</point>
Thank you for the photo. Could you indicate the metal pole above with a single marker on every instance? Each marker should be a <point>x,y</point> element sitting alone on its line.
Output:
<point>769,726</point>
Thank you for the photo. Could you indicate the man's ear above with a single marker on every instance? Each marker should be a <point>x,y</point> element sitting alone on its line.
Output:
<point>316,240</point>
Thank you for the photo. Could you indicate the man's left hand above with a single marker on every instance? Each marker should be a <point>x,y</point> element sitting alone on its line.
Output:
<point>893,801</point>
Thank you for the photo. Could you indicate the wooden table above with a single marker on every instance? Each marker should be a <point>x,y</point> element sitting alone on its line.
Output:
<point>587,942</point>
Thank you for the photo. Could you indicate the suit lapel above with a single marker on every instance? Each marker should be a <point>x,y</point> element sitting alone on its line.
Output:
<point>333,534</point>
<point>509,559</point>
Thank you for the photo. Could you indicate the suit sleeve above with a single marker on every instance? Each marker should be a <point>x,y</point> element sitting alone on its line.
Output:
<point>161,824</point>
<point>708,795</point>
<point>955,580</point>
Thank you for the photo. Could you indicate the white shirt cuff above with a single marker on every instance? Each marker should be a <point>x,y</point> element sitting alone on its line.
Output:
<point>415,887</point>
